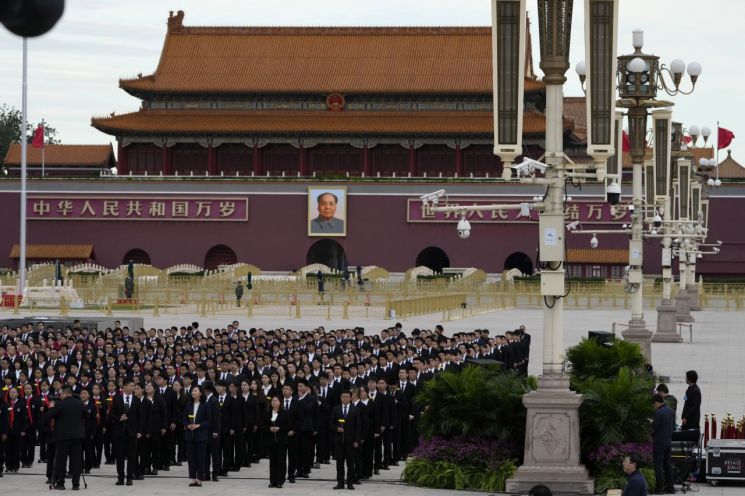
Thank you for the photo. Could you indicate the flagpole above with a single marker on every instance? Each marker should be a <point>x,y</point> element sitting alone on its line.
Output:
<point>717,149</point>
<point>43,147</point>
<point>24,145</point>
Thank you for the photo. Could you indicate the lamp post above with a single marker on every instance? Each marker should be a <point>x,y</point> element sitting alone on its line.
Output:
<point>640,76</point>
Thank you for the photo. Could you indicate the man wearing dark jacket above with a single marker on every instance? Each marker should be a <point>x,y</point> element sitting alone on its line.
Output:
<point>306,427</point>
<point>636,485</point>
<point>125,426</point>
<point>691,416</point>
<point>69,416</point>
<point>347,427</point>
<point>662,434</point>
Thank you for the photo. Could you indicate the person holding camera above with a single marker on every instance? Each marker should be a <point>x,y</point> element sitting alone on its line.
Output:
<point>69,416</point>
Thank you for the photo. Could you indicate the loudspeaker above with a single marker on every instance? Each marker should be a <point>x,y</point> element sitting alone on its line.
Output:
<point>602,337</point>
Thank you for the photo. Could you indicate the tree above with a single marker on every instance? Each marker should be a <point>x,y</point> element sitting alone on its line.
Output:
<point>10,130</point>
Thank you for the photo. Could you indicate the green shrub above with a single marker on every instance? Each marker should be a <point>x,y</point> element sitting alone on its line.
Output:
<point>448,475</point>
<point>615,410</point>
<point>475,401</point>
<point>590,359</point>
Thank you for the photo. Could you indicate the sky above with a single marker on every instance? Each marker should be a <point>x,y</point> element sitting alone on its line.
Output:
<point>74,69</point>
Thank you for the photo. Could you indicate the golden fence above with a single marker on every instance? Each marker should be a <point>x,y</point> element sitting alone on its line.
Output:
<point>299,297</point>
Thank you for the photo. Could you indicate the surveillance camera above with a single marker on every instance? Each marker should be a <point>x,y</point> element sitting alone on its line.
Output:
<point>524,210</point>
<point>529,167</point>
<point>716,250</point>
<point>657,220</point>
<point>613,193</point>
<point>631,208</point>
<point>654,232</point>
<point>573,225</point>
<point>594,241</point>
<point>719,242</point>
<point>464,228</point>
<point>433,198</point>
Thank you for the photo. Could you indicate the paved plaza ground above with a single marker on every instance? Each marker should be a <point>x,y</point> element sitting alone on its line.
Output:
<point>717,353</point>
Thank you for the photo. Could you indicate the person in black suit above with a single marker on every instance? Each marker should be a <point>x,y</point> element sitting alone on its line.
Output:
<point>177,451</point>
<point>197,432</point>
<point>277,424</point>
<point>101,420</point>
<point>251,421</point>
<point>289,405</point>
<point>167,445</point>
<point>306,427</point>
<point>691,416</point>
<point>69,416</point>
<point>88,447</point>
<point>323,395</point>
<point>154,421</point>
<point>403,396</point>
<point>359,466</point>
<point>14,430</point>
<point>662,434</point>
<point>125,425</point>
<point>346,424</point>
<point>228,426</point>
<point>214,457</point>
<point>382,421</point>
<point>237,448</point>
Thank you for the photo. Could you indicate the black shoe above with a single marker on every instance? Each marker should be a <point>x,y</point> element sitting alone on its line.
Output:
<point>87,471</point>
<point>305,476</point>
<point>224,473</point>
<point>129,482</point>
<point>119,483</point>
<point>215,479</point>
<point>167,469</point>
<point>376,472</point>
<point>385,467</point>
<point>271,486</point>
<point>357,482</point>
<point>59,487</point>
<point>291,480</point>
<point>97,466</point>
<point>279,486</point>
<point>394,464</point>
<point>154,472</point>
<point>350,487</point>
<point>76,488</point>
<point>339,486</point>
<point>148,472</point>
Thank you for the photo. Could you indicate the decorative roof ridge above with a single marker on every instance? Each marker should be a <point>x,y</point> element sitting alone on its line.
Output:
<point>176,26</point>
<point>336,30</point>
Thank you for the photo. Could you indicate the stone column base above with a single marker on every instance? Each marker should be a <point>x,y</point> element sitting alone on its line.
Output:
<point>552,448</point>
<point>693,299</point>
<point>666,324</point>
<point>638,333</point>
<point>683,307</point>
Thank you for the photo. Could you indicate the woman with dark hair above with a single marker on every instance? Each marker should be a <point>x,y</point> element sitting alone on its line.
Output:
<point>262,405</point>
<point>196,422</point>
<point>154,424</point>
<point>180,399</point>
<point>277,424</point>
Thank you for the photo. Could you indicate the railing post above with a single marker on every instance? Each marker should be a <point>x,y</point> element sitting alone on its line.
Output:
<point>156,307</point>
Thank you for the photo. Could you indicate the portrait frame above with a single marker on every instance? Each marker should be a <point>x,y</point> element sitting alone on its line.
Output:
<point>318,229</point>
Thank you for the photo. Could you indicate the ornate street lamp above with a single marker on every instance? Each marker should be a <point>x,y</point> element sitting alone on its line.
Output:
<point>640,77</point>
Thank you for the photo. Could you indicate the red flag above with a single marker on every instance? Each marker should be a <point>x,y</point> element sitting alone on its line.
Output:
<point>626,142</point>
<point>38,140</point>
<point>724,138</point>
<point>687,140</point>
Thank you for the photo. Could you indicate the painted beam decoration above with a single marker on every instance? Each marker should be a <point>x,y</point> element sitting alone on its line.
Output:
<point>135,208</point>
<point>585,212</point>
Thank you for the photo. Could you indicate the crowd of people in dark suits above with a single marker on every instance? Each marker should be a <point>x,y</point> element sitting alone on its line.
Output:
<point>224,398</point>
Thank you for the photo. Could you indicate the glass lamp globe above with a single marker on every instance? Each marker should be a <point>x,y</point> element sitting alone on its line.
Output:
<point>694,69</point>
<point>677,66</point>
<point>637,65</point>
<point>581,68</point>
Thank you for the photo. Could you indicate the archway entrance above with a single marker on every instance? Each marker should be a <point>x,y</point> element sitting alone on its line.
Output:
<point>434,258</point>
<point>519,261</point>
<point>136,255</point>
<point>219,255</point>
<point>327,252</point>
